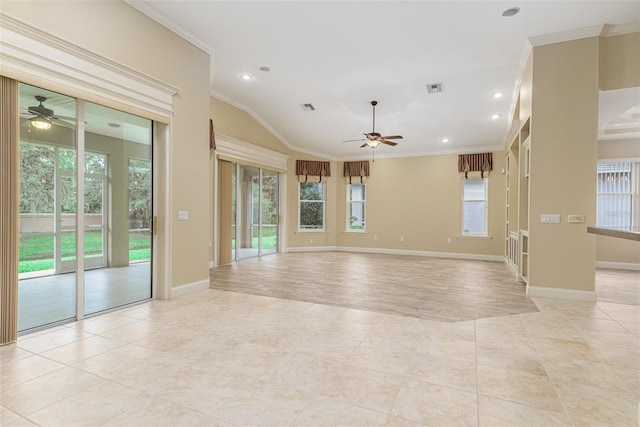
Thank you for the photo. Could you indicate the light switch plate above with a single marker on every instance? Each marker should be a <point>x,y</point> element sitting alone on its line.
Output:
<point>575,219</point>
<point>550,218</point>
<point>183,215</point>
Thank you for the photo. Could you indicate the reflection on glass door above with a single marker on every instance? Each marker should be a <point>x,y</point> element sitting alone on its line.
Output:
<point>110,214</point>
<point>48,200</point>
<point>269,216</point>
<point>255,211</point>
<point>118,225</point>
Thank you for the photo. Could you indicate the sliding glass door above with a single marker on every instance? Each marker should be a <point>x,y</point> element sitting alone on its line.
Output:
<point>254,211</point>
<point>106,219</point>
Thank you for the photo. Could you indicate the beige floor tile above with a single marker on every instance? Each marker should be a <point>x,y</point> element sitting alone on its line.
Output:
<point>434,405</point>
<point>442,371</point>
<point>81,350</point>
<point>115,362</point>
<point>251,408</point>
<point>394,421</point>
<point>25,369</point>
<point>348,330</point>
<point>103,323</point>
<point>134,331</point>
<point>442,346</point>
<point>564,349</point>
<point>501,413</point>
<point>631,377</point>
<point>361,316</point>
<point>51,340</point>
<point>167,339</point>
<point>622,357</point>
<point>519,387</point>
<point>7,416</point>
<point>381,359</point>
<point>31,396</point>
<point>361,387</point>
<point>327,412</point>
<point>604,325</point>
<point>155,412</point>
<point>10,353</point>
<point>519,362</point>
<point>632,327</point>
<point>588,405</point>
<point>98,404</point>
<point>613,339</point>
<point>21,422</point>
<point>324,311</point>
<point>587,373</point>
<point>324,346</point>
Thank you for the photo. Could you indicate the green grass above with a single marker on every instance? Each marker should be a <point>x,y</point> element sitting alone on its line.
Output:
<point>269,238</point>
<point>36,249</point>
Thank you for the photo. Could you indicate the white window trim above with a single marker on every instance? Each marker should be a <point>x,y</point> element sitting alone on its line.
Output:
<point>364,210</point>
<point>464,234</point>
<point>635,187</point>
<point>324,211</point>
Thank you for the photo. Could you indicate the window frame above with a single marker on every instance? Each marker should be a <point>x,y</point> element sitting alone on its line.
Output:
<point>464,233</point>
<point>634,190</point>
<point>363,202</point>
<point>324,208</point>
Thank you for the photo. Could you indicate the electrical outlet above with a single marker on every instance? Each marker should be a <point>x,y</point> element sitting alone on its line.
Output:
<point>375,237</point>
<point>402,238</point>
<point>449,240</point>
<point>310,240</point>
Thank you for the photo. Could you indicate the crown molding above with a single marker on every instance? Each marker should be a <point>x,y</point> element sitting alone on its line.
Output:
<point>618,30</point>
<point>146,8</point>
<point>29,51</point>
<point>564,36</point>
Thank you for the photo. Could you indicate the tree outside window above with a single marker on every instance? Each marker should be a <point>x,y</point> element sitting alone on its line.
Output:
<point>474,207</point>
<point>356,207</point>
<point>311,206</point>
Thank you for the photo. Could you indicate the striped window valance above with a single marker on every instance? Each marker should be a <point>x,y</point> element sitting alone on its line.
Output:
<point>312,170</point>
<point>359,170</point>
<point>478,162</point>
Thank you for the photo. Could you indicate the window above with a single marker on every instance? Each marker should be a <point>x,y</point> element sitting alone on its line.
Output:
<point>474,207</point>
<point>355,207</point>
<point>617,195</point>
<point>311,206</point>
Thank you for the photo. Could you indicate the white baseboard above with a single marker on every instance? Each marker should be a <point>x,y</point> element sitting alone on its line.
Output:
<point>560,293</point>
<point>181,290</point>
<point>452,255</point>
<point>311,249</point>
<point>618,265</point>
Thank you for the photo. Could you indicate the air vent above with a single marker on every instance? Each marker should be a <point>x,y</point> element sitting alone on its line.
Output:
<point>435,87</point>
<point>308,107</point>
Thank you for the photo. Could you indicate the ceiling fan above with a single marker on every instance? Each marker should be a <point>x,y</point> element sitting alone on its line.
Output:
<point>42,117</point>
<point>373,138</point>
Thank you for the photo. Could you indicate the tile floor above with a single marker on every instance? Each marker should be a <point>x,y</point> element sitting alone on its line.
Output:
<point>218,358</point>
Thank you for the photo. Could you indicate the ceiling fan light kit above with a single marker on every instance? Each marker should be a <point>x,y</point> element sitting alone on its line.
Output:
<point>40,123</point>
<point>373,139</point>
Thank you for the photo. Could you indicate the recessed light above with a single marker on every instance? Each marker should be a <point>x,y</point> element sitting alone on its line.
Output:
<point>510,12</point>
<point>445,140</point>
<point>265,69</point>
<point>497,95</point>
<point>246,77</point>
<point>495,116</point>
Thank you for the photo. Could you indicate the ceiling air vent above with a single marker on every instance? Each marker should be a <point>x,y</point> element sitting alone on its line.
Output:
<point>308,107</point>
<point>435,87</point>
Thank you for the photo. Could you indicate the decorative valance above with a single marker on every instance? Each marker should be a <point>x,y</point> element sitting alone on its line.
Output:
<point>478,162</point>
<point>312,170</point>
<point>359,170</point>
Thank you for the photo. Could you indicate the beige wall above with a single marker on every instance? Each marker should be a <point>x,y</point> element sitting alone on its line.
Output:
<point>620,61</point>
<point>121,33</point>
<point>419,199</point>
<point>564,121</point>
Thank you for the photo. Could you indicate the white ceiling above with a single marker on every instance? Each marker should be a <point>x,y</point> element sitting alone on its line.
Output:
<point>340,55</point>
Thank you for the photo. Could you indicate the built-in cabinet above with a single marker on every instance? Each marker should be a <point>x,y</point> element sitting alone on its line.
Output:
<point>517,171</point>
